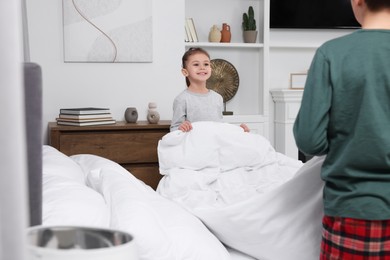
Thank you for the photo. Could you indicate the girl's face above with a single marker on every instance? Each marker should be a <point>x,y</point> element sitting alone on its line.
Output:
<point>198,68</point>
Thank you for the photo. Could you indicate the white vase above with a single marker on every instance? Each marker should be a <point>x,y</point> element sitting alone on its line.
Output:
<point>215,34</point>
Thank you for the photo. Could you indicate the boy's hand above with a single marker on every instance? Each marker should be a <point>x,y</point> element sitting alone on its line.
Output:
<point>186,126</point>
<point>245,127</point>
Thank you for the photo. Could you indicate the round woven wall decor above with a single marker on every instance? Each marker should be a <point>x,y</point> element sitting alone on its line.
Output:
<point>224,79</point>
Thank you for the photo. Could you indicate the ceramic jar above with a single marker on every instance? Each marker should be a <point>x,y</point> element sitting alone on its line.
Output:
<point>131,115</point>
<point>226,34</point>
<point>215,34</point>
<point>153,116</point>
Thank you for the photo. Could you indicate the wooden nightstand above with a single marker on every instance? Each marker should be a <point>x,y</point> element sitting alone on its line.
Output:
<point>132,145</point>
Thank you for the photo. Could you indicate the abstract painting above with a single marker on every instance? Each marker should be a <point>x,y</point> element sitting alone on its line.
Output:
<point>109,31</point>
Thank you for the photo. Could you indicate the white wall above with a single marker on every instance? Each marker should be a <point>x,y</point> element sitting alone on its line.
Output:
<point>116,86</point>
<point>292,51</point>
<point>136,84</point>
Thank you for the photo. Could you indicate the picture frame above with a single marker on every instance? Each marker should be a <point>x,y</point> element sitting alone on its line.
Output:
<point>298,80</point>
<point>108,31</point>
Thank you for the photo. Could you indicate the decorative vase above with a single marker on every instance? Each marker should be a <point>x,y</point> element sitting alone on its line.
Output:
<point>250,36</point>
<point>131,115</point>
<point>153,116</point>
<point>215,34</point>
<point>226,34</point>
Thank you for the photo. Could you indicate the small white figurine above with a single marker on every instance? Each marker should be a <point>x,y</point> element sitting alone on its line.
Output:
<point>153,115</point>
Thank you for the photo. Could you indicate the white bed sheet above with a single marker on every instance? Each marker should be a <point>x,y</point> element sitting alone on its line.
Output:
<point>115,199</point>
<point>162,229</point>
<point>252,198</point>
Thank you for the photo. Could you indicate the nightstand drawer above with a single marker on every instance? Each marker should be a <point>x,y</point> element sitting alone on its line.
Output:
<point>119,146</point>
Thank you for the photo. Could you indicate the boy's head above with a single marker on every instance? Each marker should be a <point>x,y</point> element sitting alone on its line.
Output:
<point>365,10</point>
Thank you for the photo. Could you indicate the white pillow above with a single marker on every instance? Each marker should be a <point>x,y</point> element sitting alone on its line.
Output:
<point>67,202</point>
<point>56,163</point>
<point>161,228</point>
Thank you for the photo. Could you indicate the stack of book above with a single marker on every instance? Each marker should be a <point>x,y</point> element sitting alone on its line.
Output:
<point>85,116</point>
<point>190,31</point>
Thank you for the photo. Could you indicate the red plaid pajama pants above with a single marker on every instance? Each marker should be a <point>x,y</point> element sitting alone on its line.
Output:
<point>356,239</point>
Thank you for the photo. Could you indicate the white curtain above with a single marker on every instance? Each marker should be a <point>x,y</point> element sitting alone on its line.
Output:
<point>13,174</point>
<point>26,43</point>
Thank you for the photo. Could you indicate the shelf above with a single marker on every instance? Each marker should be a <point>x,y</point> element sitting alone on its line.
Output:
<point>293,46</point>
<point>225,45</point>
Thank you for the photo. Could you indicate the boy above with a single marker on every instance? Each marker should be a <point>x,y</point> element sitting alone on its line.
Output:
<point>345,114</point>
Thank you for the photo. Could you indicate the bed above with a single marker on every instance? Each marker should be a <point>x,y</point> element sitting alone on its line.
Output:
<point>244,201</point>
<point>195,213</point>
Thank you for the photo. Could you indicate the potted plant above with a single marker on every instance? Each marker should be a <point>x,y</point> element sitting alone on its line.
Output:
<point>249,26</point>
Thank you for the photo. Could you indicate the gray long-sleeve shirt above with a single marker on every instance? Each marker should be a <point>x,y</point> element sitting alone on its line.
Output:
<point>195,107</point>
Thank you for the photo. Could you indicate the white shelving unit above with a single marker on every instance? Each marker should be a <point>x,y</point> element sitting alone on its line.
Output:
<point>250,105</point>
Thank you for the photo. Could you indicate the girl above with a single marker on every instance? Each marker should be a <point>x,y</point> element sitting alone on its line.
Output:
<point>197,102</point>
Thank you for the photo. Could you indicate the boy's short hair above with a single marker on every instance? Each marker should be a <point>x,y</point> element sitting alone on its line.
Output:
<point>377,5</point>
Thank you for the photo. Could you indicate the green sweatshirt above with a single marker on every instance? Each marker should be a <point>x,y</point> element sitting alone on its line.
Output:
<point>345,113</point>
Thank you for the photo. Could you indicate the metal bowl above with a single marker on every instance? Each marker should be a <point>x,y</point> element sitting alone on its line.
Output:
<point>61,242</point>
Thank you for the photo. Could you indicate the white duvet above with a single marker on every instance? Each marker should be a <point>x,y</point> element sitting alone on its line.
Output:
<point>252,198</point>
<point>88,190</point>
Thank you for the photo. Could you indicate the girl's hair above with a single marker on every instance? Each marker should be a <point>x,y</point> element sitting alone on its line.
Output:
<point>187,54</point>
<point>376,5</point>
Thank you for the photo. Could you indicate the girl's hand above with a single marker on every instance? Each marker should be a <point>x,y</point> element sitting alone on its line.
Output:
<point>186,126</point>
<point>245,127</point>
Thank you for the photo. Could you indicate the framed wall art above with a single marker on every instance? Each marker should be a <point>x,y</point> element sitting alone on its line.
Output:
<point>107,31</point>
<point>298,80</point>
